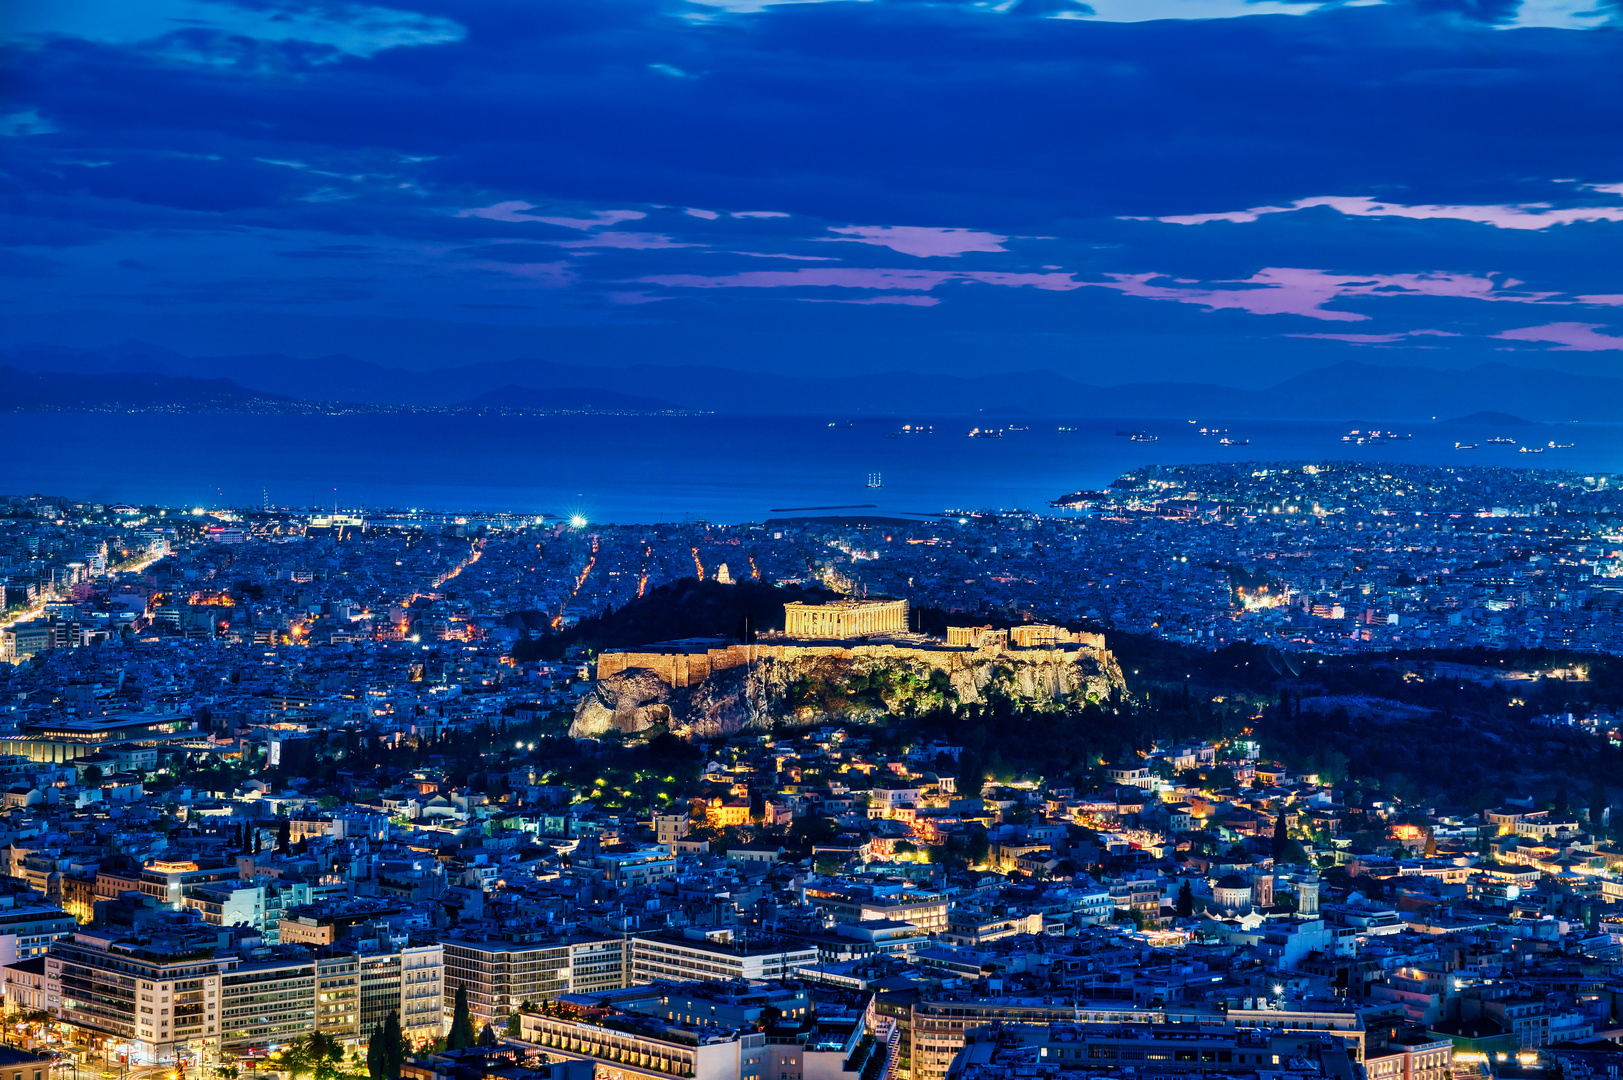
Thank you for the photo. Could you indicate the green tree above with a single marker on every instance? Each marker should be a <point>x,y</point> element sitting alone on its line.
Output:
<point>462,1033</point>
<point>284,835</point>
<point>1186,901</point>
<point>1281,838</point>
<point>377,1055</point>
<point>394,1045</point>
<point>317,1054</point>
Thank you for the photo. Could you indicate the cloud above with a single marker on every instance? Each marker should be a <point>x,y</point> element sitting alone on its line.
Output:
<point>783,255</point>
<point>910,301</point>
<point>637,241</point>
<point>861,278</point>
<point>23,123</point>
<point>1511,216</point>
<point>1129,11</point>
<point>1295,291</point>
<point>667,69</point>
<point>707,215</point>
<point>513,211</point>
<point>353,29</point>
<point>757,214</point>
<point>1377,339</point>
<point>919,240</point>
<point>1568,336</point>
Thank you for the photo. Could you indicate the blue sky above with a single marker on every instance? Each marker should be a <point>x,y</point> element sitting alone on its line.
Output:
<point>1128,190</point>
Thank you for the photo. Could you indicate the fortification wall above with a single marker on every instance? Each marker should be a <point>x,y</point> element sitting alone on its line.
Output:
<point>686,669</point>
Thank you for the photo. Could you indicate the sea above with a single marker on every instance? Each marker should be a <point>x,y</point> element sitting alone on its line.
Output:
<point>723,469</point>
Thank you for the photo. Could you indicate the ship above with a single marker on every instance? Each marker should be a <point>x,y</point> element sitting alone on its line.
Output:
<point>1530,450</point>
<point>1500,440</point>
<point>1142,437</point>
<point>986,433</point>
<point>1465,446</point>
<point>1560,445</point>
<point>1226,441</point>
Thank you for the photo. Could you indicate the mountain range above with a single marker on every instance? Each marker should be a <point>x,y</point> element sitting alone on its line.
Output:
<point>1352,390</point>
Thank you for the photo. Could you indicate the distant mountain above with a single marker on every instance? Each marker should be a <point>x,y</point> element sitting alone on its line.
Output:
<point>33,391</point>
<point>1489,419</point>
<point>1354,391</point>
<point>567,399</point>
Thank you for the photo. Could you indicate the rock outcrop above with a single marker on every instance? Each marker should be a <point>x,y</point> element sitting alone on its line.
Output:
<point>799,685</point>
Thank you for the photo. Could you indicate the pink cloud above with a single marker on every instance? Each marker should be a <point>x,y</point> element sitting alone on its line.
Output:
<point>921,241</point>
<point>1356,339</point>
<point>1509,216</point>
<point>913,301</point>
<point>757,214</point>
<point>1377,339</point>
<point>554,275</point>
<point>1567,336</point>
<point>708,215</point>
<point>514,211</point>
<point>1610,300</point>
<point>633,240</point>
<point>635,298</point>
<point>1295,291</point>
<point>781,255</point>
<point>860,278</point>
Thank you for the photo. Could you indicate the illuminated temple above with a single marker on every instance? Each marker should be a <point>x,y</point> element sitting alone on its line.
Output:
<point>843,619</point>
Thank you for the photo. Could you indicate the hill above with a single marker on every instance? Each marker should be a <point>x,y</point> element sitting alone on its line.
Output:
<point>583,399</point>
<point>38,391</point>
<point>1352,390</point>
<point>682,609</point>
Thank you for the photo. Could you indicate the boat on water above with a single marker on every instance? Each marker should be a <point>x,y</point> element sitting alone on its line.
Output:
<point>1142,437</point>
<point>986,433</point>
<point>1465,446</point>
<point>1500,440</point>
<point>1226,441</point>
<point>1560,445</point>
<point>912,429</point>
<point>1069,430</point>
<point>1530,450</point>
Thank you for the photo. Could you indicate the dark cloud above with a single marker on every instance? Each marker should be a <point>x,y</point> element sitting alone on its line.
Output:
<point>248,160</point>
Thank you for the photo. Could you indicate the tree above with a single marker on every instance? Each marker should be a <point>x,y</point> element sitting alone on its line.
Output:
<point>1281,838</point>
<point>394,1044</point>
<point>92,775</point>
<point>462,1034</point>
<point>971,774</point>
<point>259,841</point>
<point>284,835</point>
<point>377,1055</point>
<point>317,1054</point>
<point>1186,901</point>
<point>487,1036</point>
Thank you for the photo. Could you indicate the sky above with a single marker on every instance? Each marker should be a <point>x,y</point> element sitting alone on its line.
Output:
<point>1119,190</point>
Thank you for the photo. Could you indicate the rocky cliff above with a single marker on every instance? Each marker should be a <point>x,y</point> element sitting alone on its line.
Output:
<point>790,686</point>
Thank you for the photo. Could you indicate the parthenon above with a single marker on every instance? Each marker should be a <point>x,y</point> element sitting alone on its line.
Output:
<point>843,619</point>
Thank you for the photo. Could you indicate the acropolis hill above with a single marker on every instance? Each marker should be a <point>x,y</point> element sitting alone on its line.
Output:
<point>845,660</point>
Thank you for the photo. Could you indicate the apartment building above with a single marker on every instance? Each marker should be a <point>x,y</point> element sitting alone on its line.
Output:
<point>500,975</point>
<point>700,954</point>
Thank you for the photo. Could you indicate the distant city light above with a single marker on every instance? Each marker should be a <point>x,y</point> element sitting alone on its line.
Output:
<point>578,521</point>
